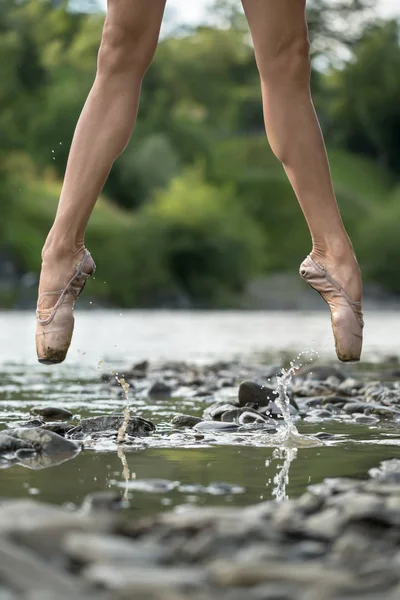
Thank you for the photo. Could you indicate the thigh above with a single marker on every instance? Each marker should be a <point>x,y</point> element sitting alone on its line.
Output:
<point>275,26</point>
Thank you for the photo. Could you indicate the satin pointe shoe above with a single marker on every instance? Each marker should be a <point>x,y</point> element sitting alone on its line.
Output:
<point>347,317</point>
<point>55,326</point>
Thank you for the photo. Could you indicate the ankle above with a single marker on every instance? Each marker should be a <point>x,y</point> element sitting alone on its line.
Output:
<point>337,250</point>
<point>56,249</point>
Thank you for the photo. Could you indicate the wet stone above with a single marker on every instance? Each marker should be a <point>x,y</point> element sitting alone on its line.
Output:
<point>9,443</point>
<point>136,426</point>
<point>215,411</point>
<point>320,373</point>
<point>215,426</point>
<point>159,389</point>
<point>29,424</point>
<point>231,416</point>
<point>58,427</point>
<point>107,501</point>
<point>52,413</point>
<point>185,421</point>
<point>251,392</point>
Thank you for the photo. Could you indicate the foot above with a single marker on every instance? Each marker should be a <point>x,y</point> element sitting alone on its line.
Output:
<point>339,284</point>
<point>343,267</point>
<point>61,282</point>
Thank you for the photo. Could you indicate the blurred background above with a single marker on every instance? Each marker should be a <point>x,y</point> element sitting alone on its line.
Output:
<point>198,213</point>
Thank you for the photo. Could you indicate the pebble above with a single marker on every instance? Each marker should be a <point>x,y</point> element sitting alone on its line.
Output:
<point>52,413</point>
<point>185,421</point>
<point>160,389</point>
<point>337,541</point>
<point>251,392</point>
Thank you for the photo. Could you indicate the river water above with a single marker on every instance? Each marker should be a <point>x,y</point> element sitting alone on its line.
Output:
<point>220,472</point>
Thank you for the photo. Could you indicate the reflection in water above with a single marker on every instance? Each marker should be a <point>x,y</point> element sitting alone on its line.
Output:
<point>125,470</point>
<point>281,479</point>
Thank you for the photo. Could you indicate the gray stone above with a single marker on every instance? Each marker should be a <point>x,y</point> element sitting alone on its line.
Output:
<point>23,572</point>
<point>136,427</point>
<point>103,502</point>
<point>89,548</point>
<point>160,389</point>
<point>251,392</point>
<point>185,421</point>
<point>227,574</point>
<point>319,373</point>
<point>9,443</point>
<point>52,413</point>
<point>230,416</point>
<point>59,427</point>
<point>215,411</point>
<point>215,426</point>
<point>325,525</point>
<point>140,579</point>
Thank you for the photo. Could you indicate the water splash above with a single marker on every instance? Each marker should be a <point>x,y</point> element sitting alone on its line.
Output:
<point>127,412</point>
<point>289,435</point>
<point>281,479</point>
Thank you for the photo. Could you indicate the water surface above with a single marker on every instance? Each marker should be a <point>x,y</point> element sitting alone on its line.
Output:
<point>244,469</point>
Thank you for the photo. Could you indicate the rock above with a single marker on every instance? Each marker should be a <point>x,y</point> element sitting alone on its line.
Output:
<point>215,426</point>
<point>142,366</point>
<point>45,442</point>
<point>10,443</point>
<point>24,572</point>
<point>36,448</point>
<point>251,392</point>
<point>224,489</point>
<point>350,386</point>
<point>231,416</point>
<point>28,424</point>
<point>325,525</point>
<point>215,411</point>
<point>60,428</point>
<point>151,486</point>
<point>102,502</point>
<point>95,548</point>
<point>159,389</point>
<point>41,527</point>
<point>52,413</point>
<point>388,472</point>
<point>356,407</point>
<point>185,421</point>
<point>136,427</point>
<point>249,416</point>
<point>142,579</point>
<point>227,574</point>
<point>319,373</point>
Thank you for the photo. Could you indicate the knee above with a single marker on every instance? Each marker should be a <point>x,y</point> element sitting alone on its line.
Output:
<point>288,65</point>
<point>125,48</point>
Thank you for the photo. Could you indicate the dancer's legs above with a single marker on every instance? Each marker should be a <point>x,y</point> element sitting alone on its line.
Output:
<point>128,44</point>
<point>280,36</point>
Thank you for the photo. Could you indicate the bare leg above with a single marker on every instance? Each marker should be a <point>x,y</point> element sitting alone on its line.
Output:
<point>129,41</point>
<point>280,36</point>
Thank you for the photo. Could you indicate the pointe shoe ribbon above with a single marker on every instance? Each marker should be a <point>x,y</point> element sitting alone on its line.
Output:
<point>55,325</point>
<point>347,316</point>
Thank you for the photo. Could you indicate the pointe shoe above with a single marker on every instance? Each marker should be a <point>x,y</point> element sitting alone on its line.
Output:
<point>347,317</point>
<point>55,325</point>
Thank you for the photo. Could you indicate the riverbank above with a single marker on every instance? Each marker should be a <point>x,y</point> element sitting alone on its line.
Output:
<point>340,540</point>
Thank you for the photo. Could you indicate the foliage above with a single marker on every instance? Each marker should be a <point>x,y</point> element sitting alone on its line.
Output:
<point>174,232</point>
